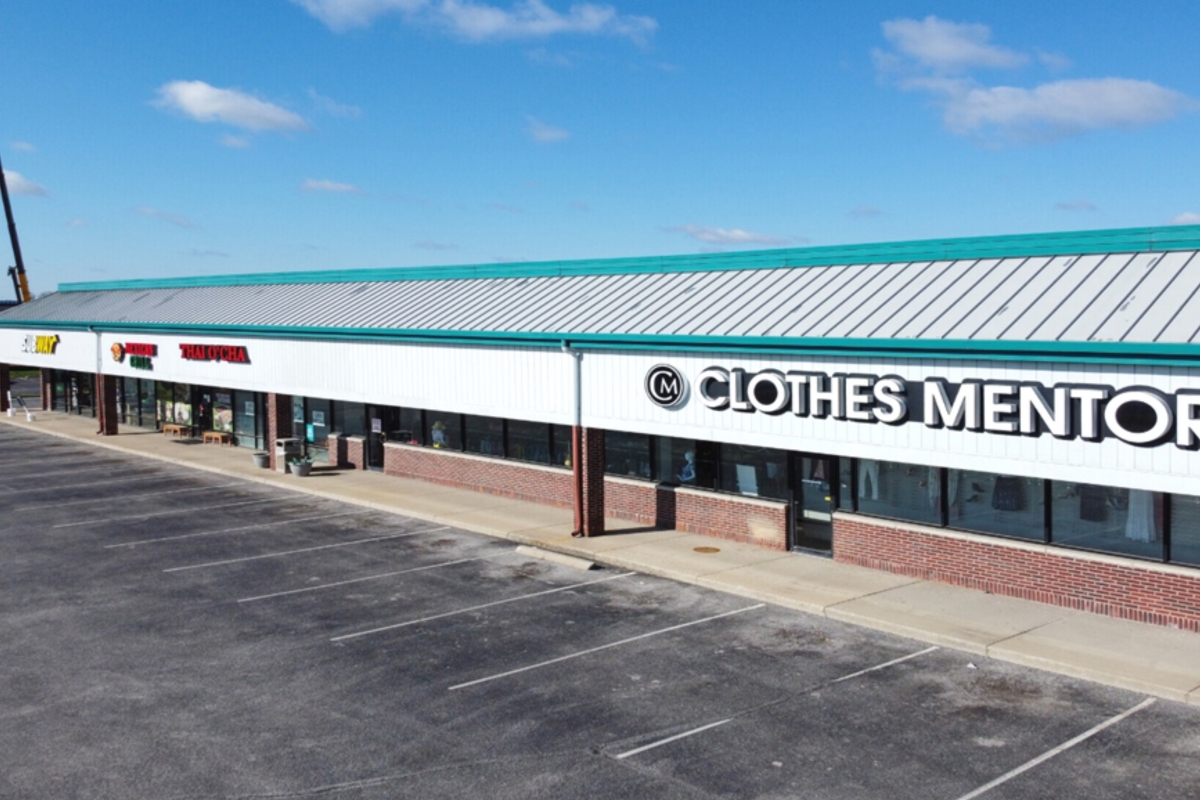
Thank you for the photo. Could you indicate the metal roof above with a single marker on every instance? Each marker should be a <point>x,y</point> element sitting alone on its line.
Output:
<point>1032,295</point>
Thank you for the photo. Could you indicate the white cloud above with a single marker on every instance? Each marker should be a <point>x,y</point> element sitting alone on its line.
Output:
<point>948,46</point>
<point>19,184</point>
<point>935,56</point>
<point>237,142</point>
<point>165,216</point>
<point>311,185</point>
<point>1062,108</point>
<point>205,103</point>
<point>75,223</point>
<point>726,235</point>
<point>431,245</point>
<point>1076,205</point>
<point>866,211</point>
<point>477,22</point>
<point>24,147</point>
<point>546,134</point>
<point>332,107</point>
<point>1186,218</point>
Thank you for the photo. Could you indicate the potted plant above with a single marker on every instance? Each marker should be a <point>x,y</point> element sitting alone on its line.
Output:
<point>262,460</point>
<point>301,467</point>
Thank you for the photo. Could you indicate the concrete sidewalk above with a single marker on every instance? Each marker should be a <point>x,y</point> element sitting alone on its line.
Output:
<point>1144,658</point>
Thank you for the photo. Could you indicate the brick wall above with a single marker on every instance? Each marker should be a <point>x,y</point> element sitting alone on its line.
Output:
<point>105,404</point>
<point>534,482</point>
<point>279,421</point>
<point>722,516</point>
<point>355,452</point>
<point>1117,587</point>
<point>47,390</point>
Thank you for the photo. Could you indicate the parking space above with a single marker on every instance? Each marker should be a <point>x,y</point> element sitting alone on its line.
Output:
<point>172,633</point>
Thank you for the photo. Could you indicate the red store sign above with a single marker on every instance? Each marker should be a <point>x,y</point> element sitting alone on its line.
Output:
<point>232,353</point>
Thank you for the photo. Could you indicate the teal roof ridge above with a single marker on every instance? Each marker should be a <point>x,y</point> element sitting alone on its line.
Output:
<point>1175,237</point>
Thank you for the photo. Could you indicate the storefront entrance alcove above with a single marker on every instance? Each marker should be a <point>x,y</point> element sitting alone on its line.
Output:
<point>815,489</point>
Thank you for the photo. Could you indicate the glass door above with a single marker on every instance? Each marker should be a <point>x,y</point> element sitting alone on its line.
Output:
<point>381,420</point>
<point>814,491</point>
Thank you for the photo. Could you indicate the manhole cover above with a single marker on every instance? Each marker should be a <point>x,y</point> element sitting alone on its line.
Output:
<point>707,549</point>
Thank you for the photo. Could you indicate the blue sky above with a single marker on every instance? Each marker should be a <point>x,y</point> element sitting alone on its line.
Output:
<point>149,139</point>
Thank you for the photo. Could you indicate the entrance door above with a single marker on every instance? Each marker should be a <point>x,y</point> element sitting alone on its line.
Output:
<point>814,489</point>
<point>380,421</point>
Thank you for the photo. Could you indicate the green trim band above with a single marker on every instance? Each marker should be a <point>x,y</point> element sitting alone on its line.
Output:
<point>1124,240</point>
<point>958,349</point>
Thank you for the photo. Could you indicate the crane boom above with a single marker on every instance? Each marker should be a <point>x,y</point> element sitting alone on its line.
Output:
<point>17,272</point>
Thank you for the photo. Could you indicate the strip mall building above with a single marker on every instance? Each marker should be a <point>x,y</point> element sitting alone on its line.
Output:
<point>1017,414</point>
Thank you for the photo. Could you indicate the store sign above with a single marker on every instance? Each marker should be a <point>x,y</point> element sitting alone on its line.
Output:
<point>139,354</point>
<point>40,345</point>
<point>232,353</point>
<point>1136,415</point>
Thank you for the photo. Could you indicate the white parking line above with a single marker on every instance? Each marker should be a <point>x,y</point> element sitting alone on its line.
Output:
<point>40,475</point>
<point>148,514</point>
<point>238,529</point>
<point>438,565</point>
<point>478,607</point>
<point>1049,754</point>
<point>123,497</point>
<point>749,711</point>
<point>303,550</point>
<point>158,476</point>
<point>589,651</point>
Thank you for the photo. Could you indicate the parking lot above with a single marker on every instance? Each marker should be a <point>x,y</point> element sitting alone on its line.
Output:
<point>170,633</point>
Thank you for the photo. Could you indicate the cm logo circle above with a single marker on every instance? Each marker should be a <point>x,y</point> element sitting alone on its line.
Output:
<point>666,386</point>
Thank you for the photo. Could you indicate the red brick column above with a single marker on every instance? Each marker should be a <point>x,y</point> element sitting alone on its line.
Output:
<point>356,451</point>
<point>592,462</point>
<point>5,387</point>
<point>106,404</point>
<point>337,450</point>
<point>279,421</point>
<point>47,390</point>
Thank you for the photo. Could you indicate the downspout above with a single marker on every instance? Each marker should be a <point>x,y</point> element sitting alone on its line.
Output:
<point>577,439</point>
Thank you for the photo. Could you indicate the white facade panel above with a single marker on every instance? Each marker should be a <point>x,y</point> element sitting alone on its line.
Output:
<point>72,350</point>
<point>614,398</point>
<point>517,383</point>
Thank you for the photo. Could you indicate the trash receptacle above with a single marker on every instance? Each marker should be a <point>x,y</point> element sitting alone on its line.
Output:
<point>286,450</point>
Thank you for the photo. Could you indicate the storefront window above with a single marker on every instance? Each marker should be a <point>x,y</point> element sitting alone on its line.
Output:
<point>1003,504</point>
<point>145,399</point>
<point>1114,520</point>
<point>756,471</point>
<point>627,454</point>
<point>83,393</point>
<point>1185,529</point>
<point>675,461</point>
<point>529,441</point>
<point>411,427</point>
<point>127,401</point>
<point>245,429</point>
<point>61,390</point>
<point>900,491</point>
<point>485,435</point>
<point>445,432</point>
<point>222,411</point>
<point>562,444</point>
<point>183,403</point>
<point>350,419</point>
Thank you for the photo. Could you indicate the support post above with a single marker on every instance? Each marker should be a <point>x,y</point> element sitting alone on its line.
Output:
<point>5,388</point>
<point>279,421</point>
<point>105,403</point>
<point>592,466</point>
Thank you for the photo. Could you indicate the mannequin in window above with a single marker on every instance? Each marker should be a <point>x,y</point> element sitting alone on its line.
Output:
<point>688,473</point>
<point>1140,524</point>
<point>868,469</point>
<point>439,434</point>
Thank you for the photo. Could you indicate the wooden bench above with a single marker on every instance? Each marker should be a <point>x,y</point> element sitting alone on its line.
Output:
<point>176,430</point>
<point>220,437</point>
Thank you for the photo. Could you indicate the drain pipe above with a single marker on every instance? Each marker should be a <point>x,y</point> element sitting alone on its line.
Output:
<point>577,438</point>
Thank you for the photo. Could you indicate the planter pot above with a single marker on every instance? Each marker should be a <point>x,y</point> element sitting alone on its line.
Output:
<point>262,460</point>
<point>302,469</point>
